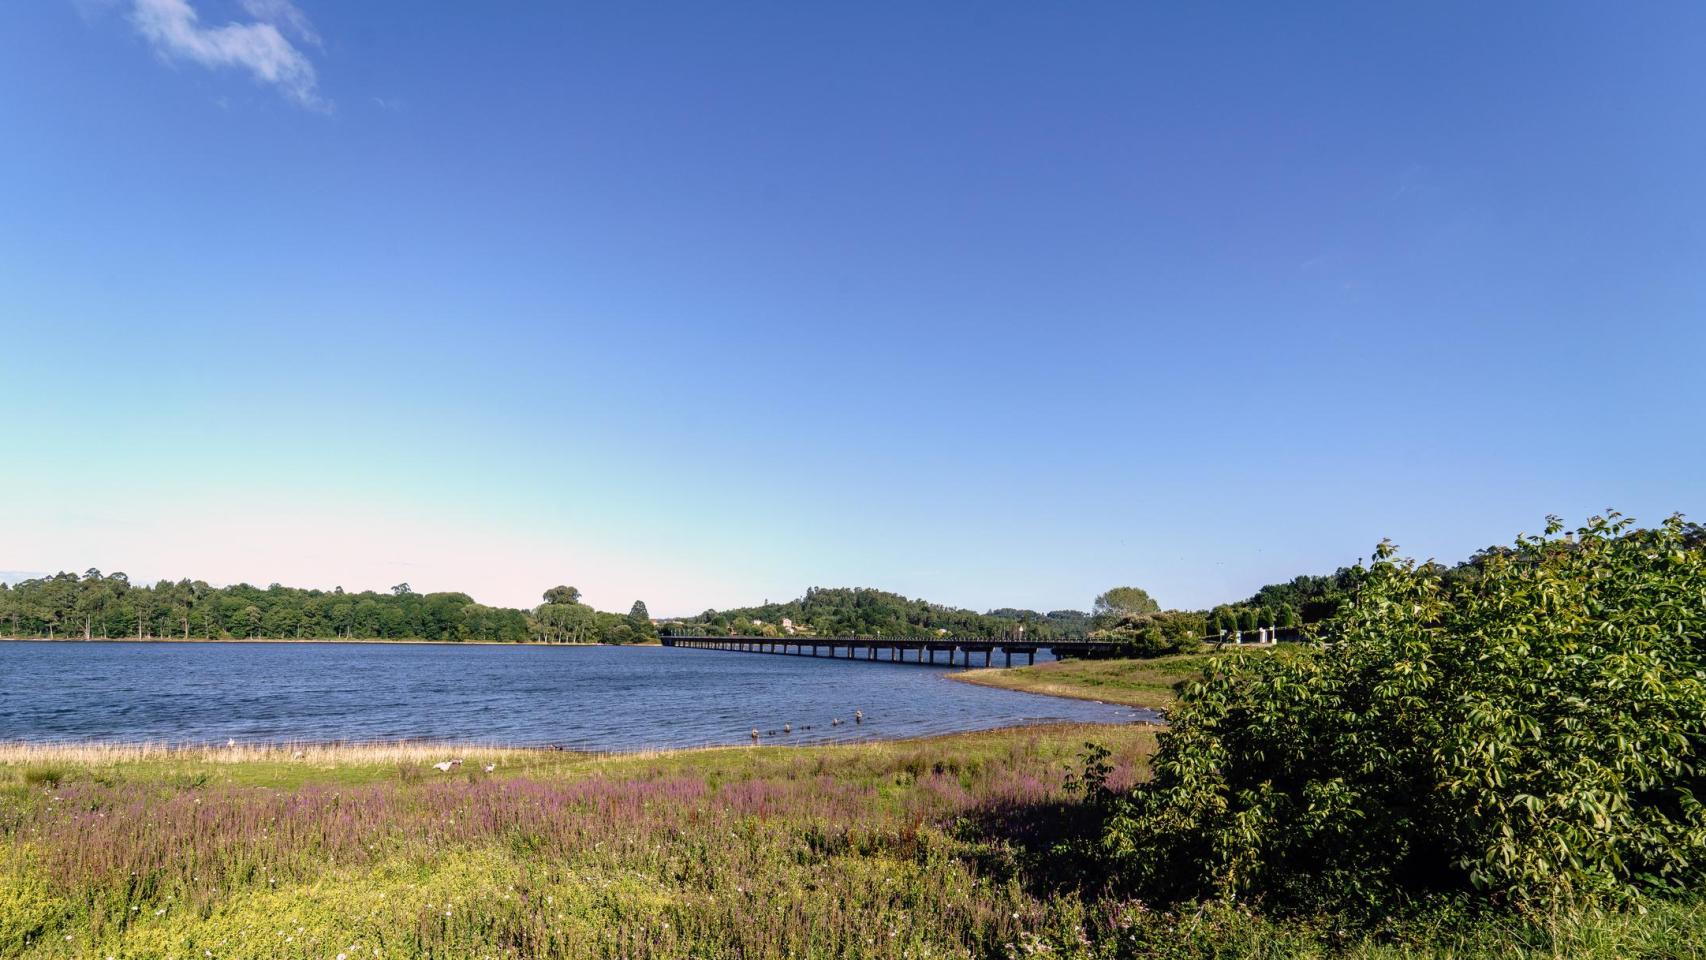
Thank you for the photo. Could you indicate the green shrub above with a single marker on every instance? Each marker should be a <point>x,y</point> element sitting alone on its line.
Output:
<point>1155,634</point>
<point>1533,732</point>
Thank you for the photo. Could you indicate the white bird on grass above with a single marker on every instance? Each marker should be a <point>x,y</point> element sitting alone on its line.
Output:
<point>490,767</point>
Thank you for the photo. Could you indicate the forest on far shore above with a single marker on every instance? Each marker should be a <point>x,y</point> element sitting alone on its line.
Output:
<point>98,606</point>
<point>95,605</point>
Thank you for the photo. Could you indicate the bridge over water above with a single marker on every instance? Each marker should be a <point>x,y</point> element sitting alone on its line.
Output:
<point>916,650</point>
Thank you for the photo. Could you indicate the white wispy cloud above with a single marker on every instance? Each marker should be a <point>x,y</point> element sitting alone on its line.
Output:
<point>175,30</point>
<point>286,16</point>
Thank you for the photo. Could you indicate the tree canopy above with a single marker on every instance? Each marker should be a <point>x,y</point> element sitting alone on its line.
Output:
<point>1125,602</point>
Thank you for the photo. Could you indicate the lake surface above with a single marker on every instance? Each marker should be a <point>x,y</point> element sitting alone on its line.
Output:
<point>586,698</point>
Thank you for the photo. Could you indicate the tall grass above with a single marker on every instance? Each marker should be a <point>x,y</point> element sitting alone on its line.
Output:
<point>914,849</point>
<point>87,754</point>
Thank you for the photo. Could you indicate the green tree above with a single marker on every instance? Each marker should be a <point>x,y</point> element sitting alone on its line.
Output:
<point>562,594</point>
<point>639,627</point>
<point>1125,602</point>
<point>1536,733</point>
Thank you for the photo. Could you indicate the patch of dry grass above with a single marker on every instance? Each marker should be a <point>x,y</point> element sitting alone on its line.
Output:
<point>314,754</point>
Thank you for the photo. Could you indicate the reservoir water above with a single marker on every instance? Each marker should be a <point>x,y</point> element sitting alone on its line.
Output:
<point>586,698</point>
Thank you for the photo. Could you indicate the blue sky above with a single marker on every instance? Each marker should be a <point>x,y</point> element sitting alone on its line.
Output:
<point>997,304</point>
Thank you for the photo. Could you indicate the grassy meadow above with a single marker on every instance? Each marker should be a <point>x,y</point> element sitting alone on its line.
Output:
<point>865,850</point>
<point>1152,683</point>
<point>944,847</point>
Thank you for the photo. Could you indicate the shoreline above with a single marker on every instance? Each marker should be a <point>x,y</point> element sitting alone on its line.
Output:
<point>982,677</point>
<point>987,677</point>
<point>1136,683</point>
<point>310,751</point>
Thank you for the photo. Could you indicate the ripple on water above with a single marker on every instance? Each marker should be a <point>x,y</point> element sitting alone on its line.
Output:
<point>597,698</point>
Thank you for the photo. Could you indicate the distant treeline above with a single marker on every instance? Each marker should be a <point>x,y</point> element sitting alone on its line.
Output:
<point>94,605</point>
<point>108,606</point>
<point>865,612</point>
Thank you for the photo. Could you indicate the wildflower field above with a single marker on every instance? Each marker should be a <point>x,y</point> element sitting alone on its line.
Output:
<point>948,847</point>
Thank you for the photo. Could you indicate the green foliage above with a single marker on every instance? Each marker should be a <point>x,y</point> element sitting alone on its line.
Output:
<point>1124,602</point>
<point>1532,732</point>
<point>864,612</point>
<point>1154,634</point>
<point>1312,599</point>
<point>97,606</point>
<point>562,594</point>
<point>564,619</point>
<point>1069,623</point>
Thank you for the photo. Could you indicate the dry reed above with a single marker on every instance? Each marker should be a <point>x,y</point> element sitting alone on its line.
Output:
<point>318,754</point>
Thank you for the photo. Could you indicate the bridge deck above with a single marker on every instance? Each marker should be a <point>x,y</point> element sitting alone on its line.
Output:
<point>923,650</point>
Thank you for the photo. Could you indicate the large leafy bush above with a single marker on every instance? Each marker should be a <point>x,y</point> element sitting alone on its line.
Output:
<point>1531,727</point>
<point>1154,634</point>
